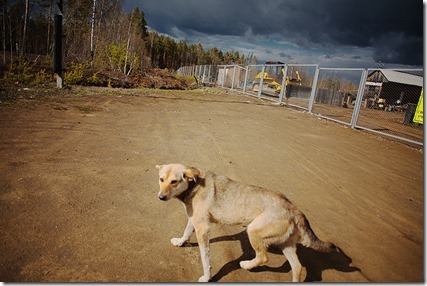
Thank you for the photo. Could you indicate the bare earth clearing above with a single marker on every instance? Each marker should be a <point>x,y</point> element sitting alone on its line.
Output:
<point>78,188</point>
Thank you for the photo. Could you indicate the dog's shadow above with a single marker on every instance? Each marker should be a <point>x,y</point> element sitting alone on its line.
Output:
<point>315,262</point>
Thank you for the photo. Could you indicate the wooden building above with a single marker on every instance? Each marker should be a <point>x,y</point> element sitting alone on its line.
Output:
<point>393,85</point>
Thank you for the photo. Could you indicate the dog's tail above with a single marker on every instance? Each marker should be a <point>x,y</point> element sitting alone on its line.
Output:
<point>309,238</point>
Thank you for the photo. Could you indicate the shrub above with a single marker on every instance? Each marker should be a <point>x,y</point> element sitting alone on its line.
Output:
<point>75,73</point>
<point>21,73</point>
<point>42,77</point>
<point>94,80</point>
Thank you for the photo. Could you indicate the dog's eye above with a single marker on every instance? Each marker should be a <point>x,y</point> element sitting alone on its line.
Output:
<point>173,182</point>
<point>161,180</point>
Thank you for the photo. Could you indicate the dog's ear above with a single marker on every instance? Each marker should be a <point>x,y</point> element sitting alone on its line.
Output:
<point>191,174</point>
<point>159,166</point>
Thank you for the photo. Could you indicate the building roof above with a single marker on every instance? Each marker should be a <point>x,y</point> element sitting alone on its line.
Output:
<point>402,77</point>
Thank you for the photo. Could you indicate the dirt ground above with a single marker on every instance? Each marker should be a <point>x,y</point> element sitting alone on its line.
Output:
<point>79,187</point>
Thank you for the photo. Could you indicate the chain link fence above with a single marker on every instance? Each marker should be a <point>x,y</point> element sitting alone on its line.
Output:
<point>389,103</point>
<point>336,93</point>
<point>204,73</point>
<point>384,101</point>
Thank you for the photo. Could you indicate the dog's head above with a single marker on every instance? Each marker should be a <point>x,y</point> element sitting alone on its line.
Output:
<point>174,179</point>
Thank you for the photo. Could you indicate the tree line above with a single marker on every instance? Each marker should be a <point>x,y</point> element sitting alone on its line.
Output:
<point>102,34</point>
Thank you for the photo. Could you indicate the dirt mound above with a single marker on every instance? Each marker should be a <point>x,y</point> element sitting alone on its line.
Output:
<point>151,78</point>
<point>163,79</point>
<point>38,73</point>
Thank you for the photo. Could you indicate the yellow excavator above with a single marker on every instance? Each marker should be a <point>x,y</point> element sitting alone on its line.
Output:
<point>269,84</point>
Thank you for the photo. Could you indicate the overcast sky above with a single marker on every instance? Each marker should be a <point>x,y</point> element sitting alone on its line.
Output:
<point>331,33</point>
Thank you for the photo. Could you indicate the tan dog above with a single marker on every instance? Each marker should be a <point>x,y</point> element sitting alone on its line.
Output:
<point>270,217</point>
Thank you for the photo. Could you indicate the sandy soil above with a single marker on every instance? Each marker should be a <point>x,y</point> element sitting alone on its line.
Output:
<point>78,188</point>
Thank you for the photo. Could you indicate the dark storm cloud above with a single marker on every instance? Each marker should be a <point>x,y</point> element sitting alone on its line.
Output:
<point>398,47</point>
<point>286,56</point>
<point>392,28</point>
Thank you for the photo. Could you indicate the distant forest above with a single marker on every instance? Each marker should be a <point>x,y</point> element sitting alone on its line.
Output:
<point>99,33</point>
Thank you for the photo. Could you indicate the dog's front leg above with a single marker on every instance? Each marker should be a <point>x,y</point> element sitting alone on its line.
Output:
<point>202,233</point>
<point>189,229</point>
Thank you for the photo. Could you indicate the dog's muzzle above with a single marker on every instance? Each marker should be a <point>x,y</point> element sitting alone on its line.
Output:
<point>163,197</point>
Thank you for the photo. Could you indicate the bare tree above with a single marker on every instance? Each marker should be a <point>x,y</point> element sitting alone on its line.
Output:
<point>4,32</point>
<point>128,43</point>
<point>24,33</point>
<point>92,52</point>
<point>49,24</point>
<point>10,39</point>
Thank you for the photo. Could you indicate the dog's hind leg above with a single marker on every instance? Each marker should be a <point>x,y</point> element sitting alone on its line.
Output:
<point>256,234</point>
<point>290,252</point>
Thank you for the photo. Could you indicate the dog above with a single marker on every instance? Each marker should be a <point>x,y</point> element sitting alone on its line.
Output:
<point>270,217</point>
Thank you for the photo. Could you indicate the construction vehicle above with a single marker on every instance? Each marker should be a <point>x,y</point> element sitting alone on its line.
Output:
<point>270,86</point>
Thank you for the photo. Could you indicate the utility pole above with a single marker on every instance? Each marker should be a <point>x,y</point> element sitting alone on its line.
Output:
<point>58,50</point>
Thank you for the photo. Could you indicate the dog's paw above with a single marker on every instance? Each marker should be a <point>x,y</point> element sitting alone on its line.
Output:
<point>247,264</point>
<point>177,241</point>
<point>204,278</point>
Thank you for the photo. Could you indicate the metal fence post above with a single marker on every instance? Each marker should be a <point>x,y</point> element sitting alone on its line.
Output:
<point>246,79</point>
<point>283,89</point>
<point>261,81</point>
<point>313,90</point>
<point>234,76</point>
<point>204,74</point>
<point>359,99</point>
<point>224,76</point>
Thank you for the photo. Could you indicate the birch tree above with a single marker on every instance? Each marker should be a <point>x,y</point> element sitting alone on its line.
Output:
<point>128,43</point>
<point>92,52</point>
<point>4,30</point>
<point>24,33</point>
